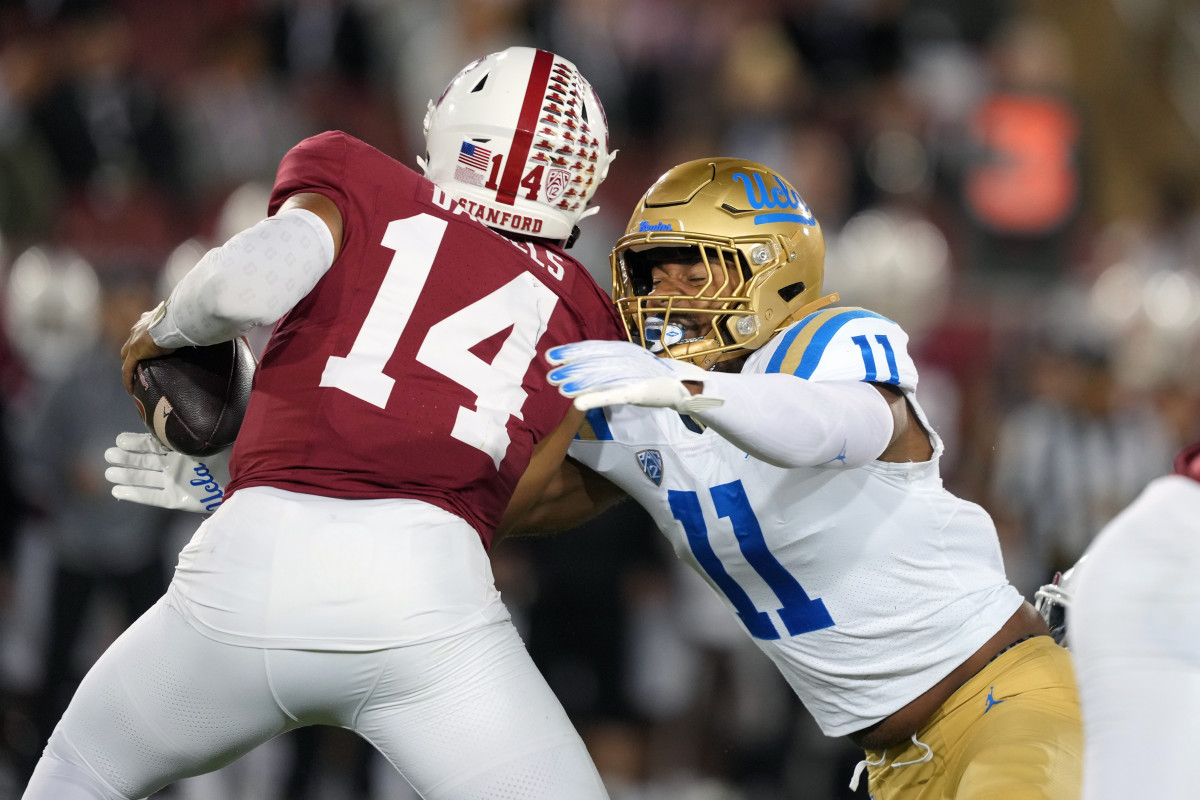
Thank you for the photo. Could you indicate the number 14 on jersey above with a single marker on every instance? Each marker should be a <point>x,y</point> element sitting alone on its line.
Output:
<point>523,305</point>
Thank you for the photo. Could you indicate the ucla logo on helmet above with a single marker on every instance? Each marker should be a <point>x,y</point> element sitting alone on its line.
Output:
<point>651,462</point>
<point>780,196</point>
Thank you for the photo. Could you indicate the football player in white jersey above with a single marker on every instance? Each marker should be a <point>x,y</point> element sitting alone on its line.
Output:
<point>778,443</point>
<point>1133,616</point>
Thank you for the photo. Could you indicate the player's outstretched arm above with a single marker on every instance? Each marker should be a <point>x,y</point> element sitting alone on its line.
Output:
<point>555,494</point>
<point>604,373</point>
<point>780,419</point>
<point>145,472</point>
<point>793,422</point>
<point>573,495</point>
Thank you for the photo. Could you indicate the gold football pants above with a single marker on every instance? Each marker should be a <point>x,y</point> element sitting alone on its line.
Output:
<point>1012,732</point>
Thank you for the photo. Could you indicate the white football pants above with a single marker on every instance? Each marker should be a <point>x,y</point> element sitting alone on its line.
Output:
<point>465,716</point>
<point>1134,631</point>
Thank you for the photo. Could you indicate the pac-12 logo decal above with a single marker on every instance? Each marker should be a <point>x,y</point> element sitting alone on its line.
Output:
<point>651,462</point>
<point>556,183</point>
<point>781,196</point>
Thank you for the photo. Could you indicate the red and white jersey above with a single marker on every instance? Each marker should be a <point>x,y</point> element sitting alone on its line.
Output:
<point>415,367</point>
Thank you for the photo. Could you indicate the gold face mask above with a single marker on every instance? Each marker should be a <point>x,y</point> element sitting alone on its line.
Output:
<point>719,255</point>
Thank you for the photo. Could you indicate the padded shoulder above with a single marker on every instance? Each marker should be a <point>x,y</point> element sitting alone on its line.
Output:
<point>840,344</point>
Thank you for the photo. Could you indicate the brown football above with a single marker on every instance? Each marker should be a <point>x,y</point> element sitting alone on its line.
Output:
<point>193,400</point>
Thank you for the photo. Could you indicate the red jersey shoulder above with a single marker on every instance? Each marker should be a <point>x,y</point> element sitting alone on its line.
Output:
<point>364,183</point>
<point>332,162</point>
<point>545,260</point>
<point>603,320</point>
<point>607,322</point>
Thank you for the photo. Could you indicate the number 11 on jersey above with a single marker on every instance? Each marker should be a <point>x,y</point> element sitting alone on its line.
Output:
<point>800,613</point>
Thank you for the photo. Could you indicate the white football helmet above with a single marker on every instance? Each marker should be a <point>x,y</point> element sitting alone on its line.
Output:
<point>521,139</point>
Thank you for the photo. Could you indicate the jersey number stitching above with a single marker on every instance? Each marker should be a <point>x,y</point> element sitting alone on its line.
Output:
<point>445,348</point>
<point>800,613</point>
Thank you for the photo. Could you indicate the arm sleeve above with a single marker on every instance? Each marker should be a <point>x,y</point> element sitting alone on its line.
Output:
<point>253,279</point>
<point>792,422</point>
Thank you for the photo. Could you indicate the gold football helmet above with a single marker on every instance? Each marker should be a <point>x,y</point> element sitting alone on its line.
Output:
<point>761,250</point>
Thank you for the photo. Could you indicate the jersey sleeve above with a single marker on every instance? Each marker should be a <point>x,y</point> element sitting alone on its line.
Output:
<point>605,323</point>
<point>317,164</point>
<point>598,315</point>
<point>841,344</point>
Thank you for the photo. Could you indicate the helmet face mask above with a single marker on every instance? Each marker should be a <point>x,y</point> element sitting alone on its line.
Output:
<point>1053,601</point>
<point>676,322</point>
<point>757,249</point>
<point>520,138</point>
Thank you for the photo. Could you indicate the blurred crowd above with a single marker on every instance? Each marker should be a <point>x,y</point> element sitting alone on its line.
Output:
<point>1016,183</point>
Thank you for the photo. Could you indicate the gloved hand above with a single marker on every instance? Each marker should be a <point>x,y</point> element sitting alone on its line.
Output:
<point>145,472</point>
<point>601,373</point>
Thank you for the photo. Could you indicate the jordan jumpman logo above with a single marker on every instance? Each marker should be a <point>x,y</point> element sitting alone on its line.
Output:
<point>991,702</point>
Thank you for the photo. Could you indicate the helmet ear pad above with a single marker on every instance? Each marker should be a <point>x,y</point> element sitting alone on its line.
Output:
<point>521,139</point>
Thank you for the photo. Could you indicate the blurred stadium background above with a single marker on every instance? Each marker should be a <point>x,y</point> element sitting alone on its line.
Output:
<point>1015,182</point>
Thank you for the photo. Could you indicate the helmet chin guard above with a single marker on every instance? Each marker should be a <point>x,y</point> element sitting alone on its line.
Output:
<point>520,139</point>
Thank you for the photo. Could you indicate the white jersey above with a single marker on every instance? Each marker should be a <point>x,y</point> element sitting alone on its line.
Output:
<point>865,586</point>
<point>1134,627</point>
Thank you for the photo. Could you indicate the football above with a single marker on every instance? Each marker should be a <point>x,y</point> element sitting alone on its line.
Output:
<point>193,400</point>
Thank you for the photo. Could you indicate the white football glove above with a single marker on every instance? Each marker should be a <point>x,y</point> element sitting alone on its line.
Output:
<point>601,373</point>
<point>146,472</point>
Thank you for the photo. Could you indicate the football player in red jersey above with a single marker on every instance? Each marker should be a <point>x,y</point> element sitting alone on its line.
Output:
<point>400,407</point>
